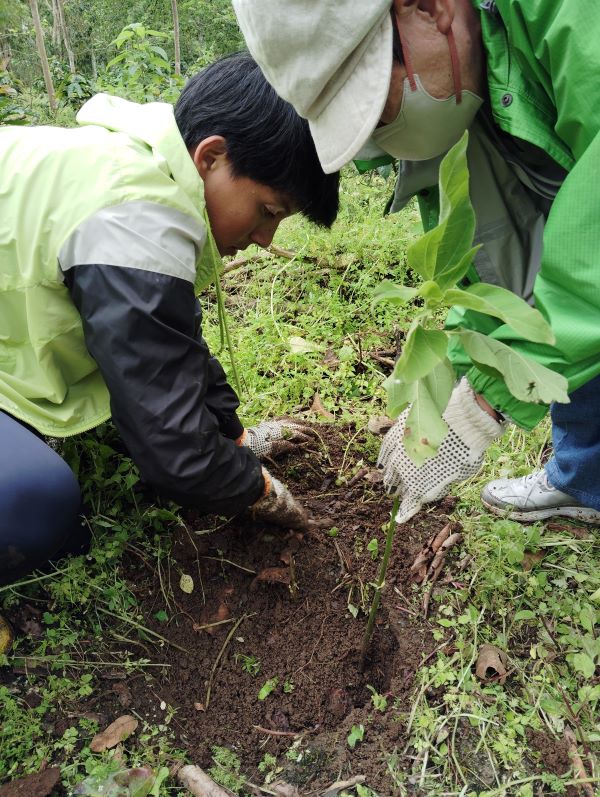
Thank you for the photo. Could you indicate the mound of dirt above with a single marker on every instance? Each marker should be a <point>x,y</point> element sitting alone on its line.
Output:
<point>272,606</point>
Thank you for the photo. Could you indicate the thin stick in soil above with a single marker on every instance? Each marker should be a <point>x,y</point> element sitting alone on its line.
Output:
<point>220,655</point>
<point>379,585</point>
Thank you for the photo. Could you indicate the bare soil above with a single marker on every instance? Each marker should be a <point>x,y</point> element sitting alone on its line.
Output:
<point>286,602</point>
<point>302,633</point>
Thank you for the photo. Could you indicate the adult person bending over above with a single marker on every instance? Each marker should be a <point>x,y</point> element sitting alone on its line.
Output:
<point>104,234</point>
<point>377,80</point>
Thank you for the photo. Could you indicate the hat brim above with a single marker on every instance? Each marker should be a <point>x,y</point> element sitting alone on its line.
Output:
<point>348,120</point>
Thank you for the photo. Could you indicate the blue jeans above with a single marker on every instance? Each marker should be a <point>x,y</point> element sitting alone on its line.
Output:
<point>575,465</point>
<point>39,503</point>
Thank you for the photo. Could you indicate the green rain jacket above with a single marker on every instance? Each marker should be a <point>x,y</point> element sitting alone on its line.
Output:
<point>543,68</point>
<point>102,239</point>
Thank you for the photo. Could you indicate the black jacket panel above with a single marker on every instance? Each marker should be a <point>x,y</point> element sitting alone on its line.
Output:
<point>170,400</point>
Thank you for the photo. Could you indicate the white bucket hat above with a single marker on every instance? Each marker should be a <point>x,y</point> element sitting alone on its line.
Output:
<point>331,59</point>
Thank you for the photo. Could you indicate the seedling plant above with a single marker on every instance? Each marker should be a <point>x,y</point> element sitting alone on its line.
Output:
<point>423,377</point>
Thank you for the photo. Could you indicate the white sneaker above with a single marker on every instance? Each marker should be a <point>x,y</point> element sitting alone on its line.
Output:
<point>532,497</point>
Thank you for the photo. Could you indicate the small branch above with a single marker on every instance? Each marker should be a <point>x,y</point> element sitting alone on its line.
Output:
<point>578,767</point>
<point>272,732</point>
<point>199,784</point>
<point>220,655</point>
<point>389,539</point>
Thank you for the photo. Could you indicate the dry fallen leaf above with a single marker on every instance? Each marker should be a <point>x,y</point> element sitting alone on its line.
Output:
<point>318,408</point>
<point>491,664</point>
<point>530,559</point>
<point>282,789</point>
<point>117,731</point>
<point>379,424</point>
<point>274,575</point>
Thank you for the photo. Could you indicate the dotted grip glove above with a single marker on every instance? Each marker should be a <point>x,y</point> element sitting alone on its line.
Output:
<point>273,438</point>
<point>279,506</point>
<point>470,431</point>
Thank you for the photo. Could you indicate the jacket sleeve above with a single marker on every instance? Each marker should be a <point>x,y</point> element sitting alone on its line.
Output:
<point>169,398</point>
<point>556,48</point>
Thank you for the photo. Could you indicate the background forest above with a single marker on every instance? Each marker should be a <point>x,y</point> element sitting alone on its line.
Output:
<point>119,631</point>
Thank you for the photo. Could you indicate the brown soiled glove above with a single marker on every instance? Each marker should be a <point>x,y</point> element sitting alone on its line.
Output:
<point>274,438</point>
<point>278,506</point>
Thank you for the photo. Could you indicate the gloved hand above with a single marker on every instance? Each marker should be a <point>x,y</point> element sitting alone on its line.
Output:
<point>273,438</point>
<point>278,505</point>
<point>470,431</point>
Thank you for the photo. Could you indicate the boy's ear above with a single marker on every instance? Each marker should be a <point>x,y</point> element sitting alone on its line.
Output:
<point>208,153</point>
<point>442,11</point>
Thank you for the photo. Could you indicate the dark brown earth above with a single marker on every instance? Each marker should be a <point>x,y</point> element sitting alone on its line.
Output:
<point>283,599</point>
<point>302,633</point>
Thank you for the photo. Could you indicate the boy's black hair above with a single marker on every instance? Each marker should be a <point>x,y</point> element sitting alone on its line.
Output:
<point>266,139</point>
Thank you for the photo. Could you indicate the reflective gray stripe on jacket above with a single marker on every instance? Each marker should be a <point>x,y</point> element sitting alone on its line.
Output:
<point>130,270</point>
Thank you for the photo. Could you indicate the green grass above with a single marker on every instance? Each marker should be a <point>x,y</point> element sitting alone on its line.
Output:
<point>465,738</point>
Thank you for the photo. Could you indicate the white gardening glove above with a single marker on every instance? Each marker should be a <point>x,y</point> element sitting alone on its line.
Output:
<point>279,506</point>
<point>273,438</point>
<point>470,431</point>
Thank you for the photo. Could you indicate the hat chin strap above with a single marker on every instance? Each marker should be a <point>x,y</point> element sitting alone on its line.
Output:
<point>454,60</point>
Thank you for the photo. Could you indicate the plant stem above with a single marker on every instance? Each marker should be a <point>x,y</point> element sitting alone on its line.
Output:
<point>379,585</point>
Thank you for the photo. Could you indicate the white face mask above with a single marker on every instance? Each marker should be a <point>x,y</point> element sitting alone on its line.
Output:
<point>427,127</point>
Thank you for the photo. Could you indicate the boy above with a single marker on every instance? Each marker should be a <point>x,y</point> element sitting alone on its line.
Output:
<point>102,229</point>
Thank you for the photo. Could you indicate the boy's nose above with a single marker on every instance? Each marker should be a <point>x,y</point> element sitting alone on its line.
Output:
<point>263,235</point>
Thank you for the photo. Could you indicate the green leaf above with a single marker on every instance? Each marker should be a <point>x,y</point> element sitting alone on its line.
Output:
<point>510,308</point>
<point>584,664</point>
<point>399,395</point>
<point>423,350</point>
<point>267,688</point>
<point>425,428</point>
<point>526,379</point>
<point>394,294</point>
<point>300,345</point>
<point>440,251</point>
<point>356,735</point>
<point>454,274</point>
<point>525,614</point>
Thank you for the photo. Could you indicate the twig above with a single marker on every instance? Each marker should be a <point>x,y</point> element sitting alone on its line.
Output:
<point>199,784</point>
<point>229,562</point>
<point>437,650</point>
<point>125,619</point>
<point>272,732</point>
<point>220,654</point>
<point>578,767</point>
<point>383,360</point>
<point>379,585</point>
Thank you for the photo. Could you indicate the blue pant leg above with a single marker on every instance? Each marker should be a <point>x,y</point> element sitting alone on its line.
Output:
<point>39,501</point>
<point>575,465</point>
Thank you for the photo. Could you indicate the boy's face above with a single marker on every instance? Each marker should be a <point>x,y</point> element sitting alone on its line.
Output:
<point>241,211</point>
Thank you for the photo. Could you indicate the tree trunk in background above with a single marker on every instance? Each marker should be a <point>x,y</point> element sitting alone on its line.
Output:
<point>60,32</point>
<point>94,64</point>
<point>39,40</point>
<point>176,37</point>
<point>65,35</point>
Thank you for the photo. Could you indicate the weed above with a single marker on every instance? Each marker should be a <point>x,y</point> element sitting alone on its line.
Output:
<point>379,701</point>
<point>250,664</point>
<point>356,735</point>
<point>268,687</point>
<point>226,769</point>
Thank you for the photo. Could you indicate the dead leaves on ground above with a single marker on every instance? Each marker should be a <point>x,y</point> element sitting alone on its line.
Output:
<point>429,562</point>
<point>491,664</point>
<point>117,731</point>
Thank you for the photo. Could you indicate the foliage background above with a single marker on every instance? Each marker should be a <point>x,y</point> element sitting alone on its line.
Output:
<point>301,326</point>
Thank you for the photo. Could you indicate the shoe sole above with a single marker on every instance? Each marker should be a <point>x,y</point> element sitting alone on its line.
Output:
<point>574,512</point>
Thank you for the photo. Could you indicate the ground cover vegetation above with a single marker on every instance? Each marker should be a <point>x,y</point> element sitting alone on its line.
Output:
<point>225,644</point>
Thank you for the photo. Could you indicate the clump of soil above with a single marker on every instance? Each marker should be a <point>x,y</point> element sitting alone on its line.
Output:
<point>288,600</point>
